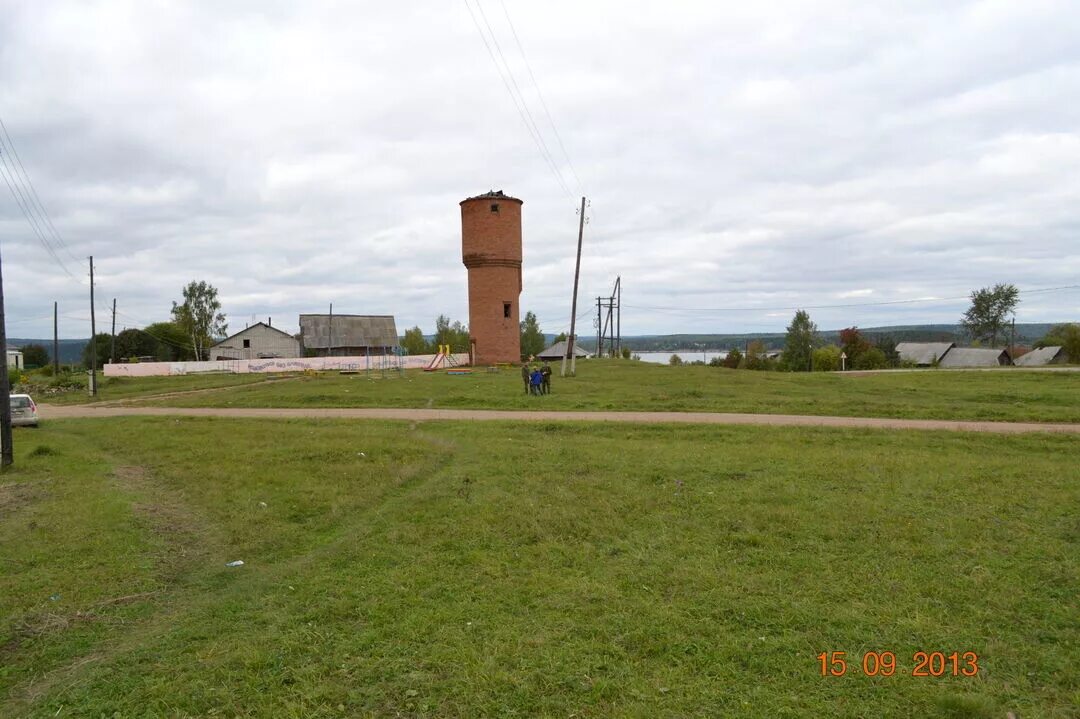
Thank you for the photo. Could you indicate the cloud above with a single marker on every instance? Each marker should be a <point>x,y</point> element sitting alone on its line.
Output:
<point>739,160</point>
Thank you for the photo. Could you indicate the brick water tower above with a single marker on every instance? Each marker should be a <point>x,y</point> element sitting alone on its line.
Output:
<point>491,250</point>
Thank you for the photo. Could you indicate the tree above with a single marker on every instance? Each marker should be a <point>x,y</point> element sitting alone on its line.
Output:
<point>887,345</point>
<point>414,343</point>
<point>200,316</point>
<point>532,339</point>
<point>675,360</point>
<point>733,358</point>
<point>827,359</point>
<point>135,343</point>
<point>1066,336</point>
<point>990,308</point>
<point>34,355</point>
<point>853,344</point>
<point>625,352</point>
<point>799,343</point>
<point>755,356</point>
<point>103,342</point>
<point>170,342</point>
<point>456,334</point>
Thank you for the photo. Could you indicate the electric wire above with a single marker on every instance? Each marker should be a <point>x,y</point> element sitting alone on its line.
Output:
<point>543,103</point>
<point>518,104</point>
<point>11,180</point>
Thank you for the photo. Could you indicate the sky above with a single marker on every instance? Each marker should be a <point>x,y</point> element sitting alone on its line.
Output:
<point>872,162</point>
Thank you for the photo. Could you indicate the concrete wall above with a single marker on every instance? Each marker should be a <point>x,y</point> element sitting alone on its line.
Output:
<point>491,250</point>
<point>264,340</point>
<point>317,364</point>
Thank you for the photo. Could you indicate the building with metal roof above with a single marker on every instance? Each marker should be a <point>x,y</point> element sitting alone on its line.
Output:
<point>348,335</point>
<point>259,341</point>
<point>1042,357</point>
<point>975,357</point>
<point>558,350</point>
<point>923,354</point>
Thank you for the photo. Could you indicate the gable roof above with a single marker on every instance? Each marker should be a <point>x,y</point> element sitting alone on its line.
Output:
<point>975,357</point>
<point>1039,357</point>
<point>558,351</point>
<point>923,353</point>
<point>248,329</point>
<point>349,331</point>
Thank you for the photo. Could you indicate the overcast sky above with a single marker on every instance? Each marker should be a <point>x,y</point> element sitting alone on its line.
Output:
<point>740,158</point>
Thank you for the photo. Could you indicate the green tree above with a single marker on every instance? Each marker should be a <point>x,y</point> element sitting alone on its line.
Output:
<point>990,308</point>
<point>801,339</point>
<point>755,356</point>
<point>827,359</point>
<point>532,339</point>
<point>103,343</point>
<point>200,316</point>
<point>170,342</point>
<point>887,345</point>
<point>1066,336</point>
<point>135,343</point>
<point>625,352</point>
<point>733,358</point>
<point>873,358</point>
<point>454,334</point>
<point>675,360</point>
<point>34,355</point>
<point>414,343</point>
<point>561,337</point>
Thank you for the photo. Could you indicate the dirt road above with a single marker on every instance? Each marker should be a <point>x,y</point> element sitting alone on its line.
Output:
<point>47,412</point>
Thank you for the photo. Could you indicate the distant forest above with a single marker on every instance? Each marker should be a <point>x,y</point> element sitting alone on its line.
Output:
<point>1026,333</point>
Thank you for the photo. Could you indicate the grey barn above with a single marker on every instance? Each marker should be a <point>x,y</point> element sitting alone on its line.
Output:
<point>255,342</point>
<point>348,335</point>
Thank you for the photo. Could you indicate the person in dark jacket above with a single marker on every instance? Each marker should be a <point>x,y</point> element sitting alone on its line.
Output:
<point>526,377</point>
<point>537,380</point>
<point>545,375</point>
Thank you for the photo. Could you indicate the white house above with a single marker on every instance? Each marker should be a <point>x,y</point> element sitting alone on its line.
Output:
<point>258,341</point>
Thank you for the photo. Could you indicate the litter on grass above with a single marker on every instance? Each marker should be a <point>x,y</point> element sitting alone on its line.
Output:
<point>237,563</point>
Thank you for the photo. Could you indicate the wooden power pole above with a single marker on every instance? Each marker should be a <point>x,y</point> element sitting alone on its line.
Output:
<point>112,343</point>
<point>93,335</point>
<point>570,351</point>
<point>55,340</point>
<point>7,452</point>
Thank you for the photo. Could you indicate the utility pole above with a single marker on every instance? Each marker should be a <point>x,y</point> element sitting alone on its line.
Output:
<point>330,337</point>
<point>618,316</point>
<point>573,304</point>
<point>93,335</point>
<point>112,344</point>
<point>7,452</point>
<point>55,341</point>
<point>599,320</point>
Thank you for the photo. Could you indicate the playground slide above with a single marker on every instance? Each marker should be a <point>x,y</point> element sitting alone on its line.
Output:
<point>435,363</point>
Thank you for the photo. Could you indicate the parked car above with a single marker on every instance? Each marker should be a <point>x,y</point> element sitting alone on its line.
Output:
<point>23,411</point>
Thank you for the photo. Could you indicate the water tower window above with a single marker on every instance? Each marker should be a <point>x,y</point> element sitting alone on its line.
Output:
<point>494,206</point>
<point>506,310</point>
<point>247,344</point>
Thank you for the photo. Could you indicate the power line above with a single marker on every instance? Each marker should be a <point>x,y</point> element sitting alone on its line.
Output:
<point>21,200</point>
<point>540,94</point>
<point>831,307</point>
<point>33,191</point>
<point>519,105</point>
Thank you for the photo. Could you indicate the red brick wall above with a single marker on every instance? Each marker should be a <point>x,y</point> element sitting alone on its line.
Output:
<point>491,250</point>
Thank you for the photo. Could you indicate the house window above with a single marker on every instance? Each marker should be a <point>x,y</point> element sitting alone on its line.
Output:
<point>494,206</point>
<point>506,310</point>
<point>247,344</point>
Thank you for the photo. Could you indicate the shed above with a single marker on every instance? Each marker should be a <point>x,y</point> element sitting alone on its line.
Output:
<point>258,341</point>
<point>923,354</point>
<point>348,335</point>
<point>15,359</point>
<point>558,350</point>
<point>1042,357</point>
<point>975,357</point>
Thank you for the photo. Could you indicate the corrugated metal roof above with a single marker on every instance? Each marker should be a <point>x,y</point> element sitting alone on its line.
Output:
<point>349,331</point>
<point>923,353</point>
<point>974,357</point>
<point>1039,357</point>
<point>558,351</point>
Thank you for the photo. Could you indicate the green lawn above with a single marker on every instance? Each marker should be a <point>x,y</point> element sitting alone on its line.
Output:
<point>498,569</point>
<point>1012,394</point>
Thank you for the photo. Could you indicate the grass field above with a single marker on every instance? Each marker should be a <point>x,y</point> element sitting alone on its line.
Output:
<point>467,570</point>
<point>1011,394</point>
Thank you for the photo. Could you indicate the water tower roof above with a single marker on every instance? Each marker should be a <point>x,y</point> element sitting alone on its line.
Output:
<point>492,195</point>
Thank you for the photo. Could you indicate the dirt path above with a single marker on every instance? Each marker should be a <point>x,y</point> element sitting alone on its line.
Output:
<point>63,412</point>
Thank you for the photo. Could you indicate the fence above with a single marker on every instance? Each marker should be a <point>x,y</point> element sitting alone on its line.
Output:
<point>297,364</point>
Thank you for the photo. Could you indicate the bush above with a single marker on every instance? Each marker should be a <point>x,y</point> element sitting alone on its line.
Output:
<point>675,361</point>
<point>827,359</point>
<point>872,358</point>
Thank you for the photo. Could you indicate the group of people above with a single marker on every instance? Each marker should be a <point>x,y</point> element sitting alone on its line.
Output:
<point>537,379</point>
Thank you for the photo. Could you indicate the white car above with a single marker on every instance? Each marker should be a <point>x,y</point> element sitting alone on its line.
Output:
<point>23,411</point>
